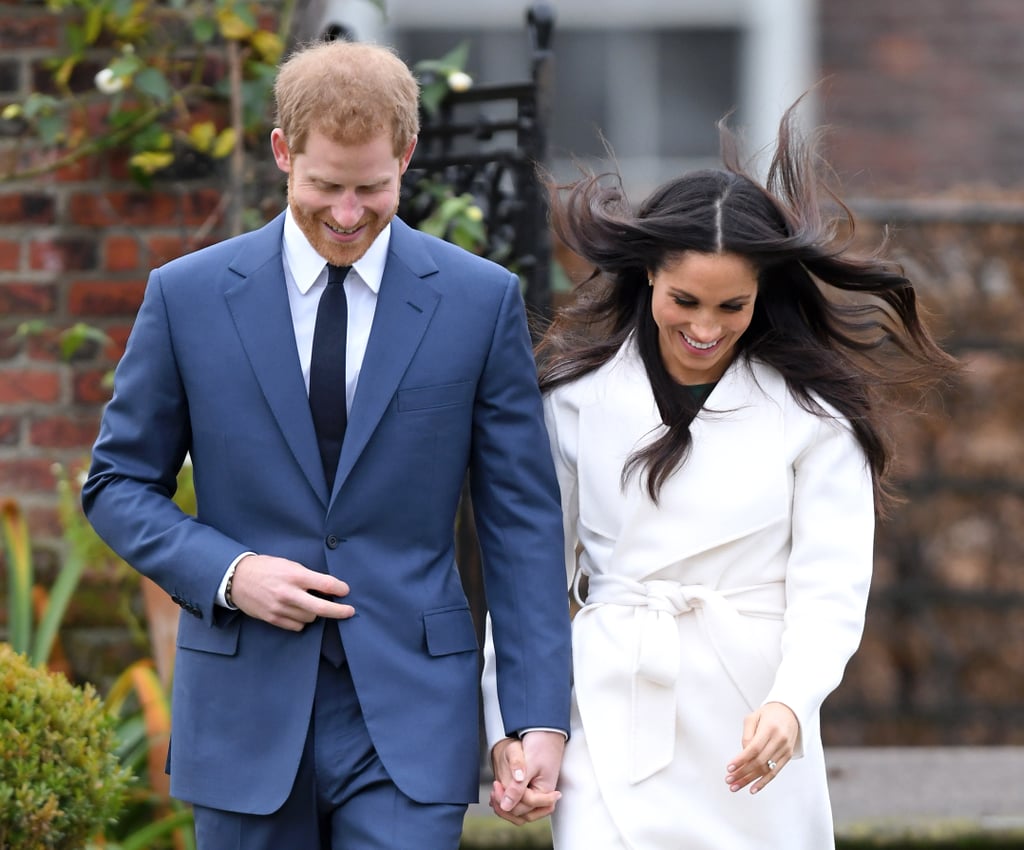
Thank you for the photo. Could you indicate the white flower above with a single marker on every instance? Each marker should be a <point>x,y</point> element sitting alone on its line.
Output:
<point>459,81</point>
<point>109,83</point>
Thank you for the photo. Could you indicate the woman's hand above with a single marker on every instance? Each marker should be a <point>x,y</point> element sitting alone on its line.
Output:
<point>769,737</point>
<point>511,798</point>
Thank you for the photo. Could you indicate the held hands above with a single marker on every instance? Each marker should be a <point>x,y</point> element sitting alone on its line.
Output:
<point>525,775</point>
<point>286,594</point>
<point>769,736</point>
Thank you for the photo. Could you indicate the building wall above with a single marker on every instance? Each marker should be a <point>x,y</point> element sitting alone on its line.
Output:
<point>924,95</point>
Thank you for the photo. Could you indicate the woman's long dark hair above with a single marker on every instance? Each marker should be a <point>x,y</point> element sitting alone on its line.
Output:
<point>835,324</point>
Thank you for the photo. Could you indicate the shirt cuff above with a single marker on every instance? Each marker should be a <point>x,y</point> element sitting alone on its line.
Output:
<point>228,575</point>
<point>523,732</point>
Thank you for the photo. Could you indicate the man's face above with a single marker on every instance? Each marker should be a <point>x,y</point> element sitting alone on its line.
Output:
<point>342,196</point>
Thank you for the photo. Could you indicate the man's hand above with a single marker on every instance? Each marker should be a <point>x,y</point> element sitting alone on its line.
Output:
<point>526,773</point>
<point>769,738</point>
<point>286,594</point>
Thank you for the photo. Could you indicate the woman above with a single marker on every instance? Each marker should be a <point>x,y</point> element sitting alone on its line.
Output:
<point>714,400</point>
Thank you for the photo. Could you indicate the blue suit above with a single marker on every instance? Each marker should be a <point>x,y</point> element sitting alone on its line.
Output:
<point>447,384</point>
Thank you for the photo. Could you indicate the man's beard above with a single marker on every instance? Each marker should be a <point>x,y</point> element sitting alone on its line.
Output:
<point>336,253</point>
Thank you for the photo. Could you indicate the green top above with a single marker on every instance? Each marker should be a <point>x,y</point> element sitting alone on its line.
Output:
<point>701,391</point>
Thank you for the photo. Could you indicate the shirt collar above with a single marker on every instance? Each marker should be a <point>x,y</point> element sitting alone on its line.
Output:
<point>306,264</point>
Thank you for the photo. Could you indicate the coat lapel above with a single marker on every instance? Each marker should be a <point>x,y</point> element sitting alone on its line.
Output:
<point>405,305</point>
<point>259,305</point>
<point>737,443</point>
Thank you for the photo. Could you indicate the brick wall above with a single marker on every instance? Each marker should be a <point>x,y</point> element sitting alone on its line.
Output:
<point>925,95</point>
<point>76,246</point>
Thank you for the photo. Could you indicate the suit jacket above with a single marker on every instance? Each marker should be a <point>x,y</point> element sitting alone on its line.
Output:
<point>448,384</point>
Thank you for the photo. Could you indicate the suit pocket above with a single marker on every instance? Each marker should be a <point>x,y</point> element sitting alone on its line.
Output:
<point>443,395</point>
<point>449,630</point>
<point>197,635</point>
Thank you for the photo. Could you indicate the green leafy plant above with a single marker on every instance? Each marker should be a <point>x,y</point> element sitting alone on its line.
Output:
<point>31,636</point>
<point>60,781</point>
<point>439,76</point>
<point>180,81</point>
<point>456,218</point>
<point>151,819</point>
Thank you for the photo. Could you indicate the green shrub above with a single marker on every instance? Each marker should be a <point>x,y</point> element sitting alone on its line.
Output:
<point>60,780</point>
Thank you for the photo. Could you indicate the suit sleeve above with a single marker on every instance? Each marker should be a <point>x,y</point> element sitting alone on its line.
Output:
<point>519,525</point>
<point>559,420</point>
<point>143,440</point>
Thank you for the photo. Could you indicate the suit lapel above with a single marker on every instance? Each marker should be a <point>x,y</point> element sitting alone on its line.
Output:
<point>405,305</point>
<point>259,306</point>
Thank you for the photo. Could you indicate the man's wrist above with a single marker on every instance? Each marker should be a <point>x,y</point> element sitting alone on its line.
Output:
<point>224,598</point>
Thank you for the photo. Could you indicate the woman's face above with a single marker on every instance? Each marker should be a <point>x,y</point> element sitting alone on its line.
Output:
<point>702,304</point>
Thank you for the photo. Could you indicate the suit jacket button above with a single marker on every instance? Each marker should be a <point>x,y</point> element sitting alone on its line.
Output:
<point>332,541</point>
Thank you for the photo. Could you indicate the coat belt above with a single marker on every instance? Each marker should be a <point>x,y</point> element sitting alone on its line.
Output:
<point>656,665</point>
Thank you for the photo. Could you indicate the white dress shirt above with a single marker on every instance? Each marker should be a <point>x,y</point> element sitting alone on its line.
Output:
<point>305,274</point>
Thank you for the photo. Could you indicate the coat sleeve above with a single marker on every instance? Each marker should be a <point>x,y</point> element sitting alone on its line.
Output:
<point>829,570</point>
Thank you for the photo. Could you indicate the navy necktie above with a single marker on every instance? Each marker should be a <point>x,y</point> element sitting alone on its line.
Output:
<point>327,403</point>
<point>327,371</point>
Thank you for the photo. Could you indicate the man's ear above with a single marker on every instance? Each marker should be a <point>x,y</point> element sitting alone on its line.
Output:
<point>407,156</point>
<point>279,145</point>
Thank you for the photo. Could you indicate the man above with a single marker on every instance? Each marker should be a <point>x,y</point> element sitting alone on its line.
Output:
<point>325,690</point>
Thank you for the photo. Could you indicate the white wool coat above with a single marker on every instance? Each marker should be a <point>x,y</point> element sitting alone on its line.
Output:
<point>746,584</point>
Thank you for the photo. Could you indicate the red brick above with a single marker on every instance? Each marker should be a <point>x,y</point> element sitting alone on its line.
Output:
<point>38,30</point>
<point>86,168</point>
<point>18,386</point>
<point>121,253</point>
<point>105,297</point>
<point>200,204</point>
<point>23,475</point>
<point>10,254</point>
<point>10,341</point>
<point>27,208</point>
<point>90,387</point>
<point>69,253</point>
<point>119,339</point>
<point>27,298</point>
<point>9,428</point>
<point>138,208</point>
<point>163,249</point>
<point>44,346</point>
<point>64,432</point>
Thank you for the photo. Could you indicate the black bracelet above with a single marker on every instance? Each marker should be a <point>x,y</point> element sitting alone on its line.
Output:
<point>227,589</point>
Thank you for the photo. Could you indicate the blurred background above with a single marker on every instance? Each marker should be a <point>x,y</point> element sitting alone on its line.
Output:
<point>923,101</point>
